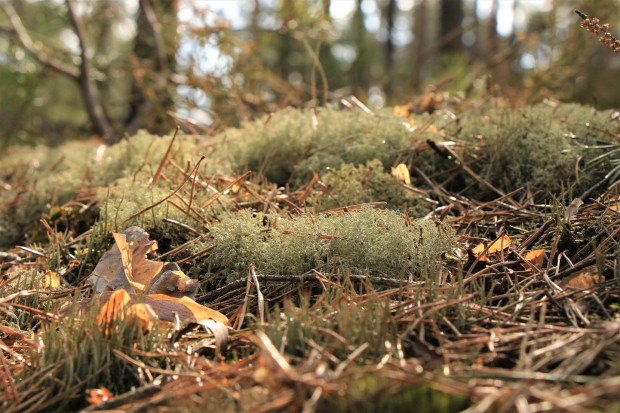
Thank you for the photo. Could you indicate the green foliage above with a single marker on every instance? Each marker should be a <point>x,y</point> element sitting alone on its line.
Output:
<point>370,241</point>
<point>352,185</point>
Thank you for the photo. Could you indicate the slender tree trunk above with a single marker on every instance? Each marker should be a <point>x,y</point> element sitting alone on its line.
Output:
<point>451,19</point>
<point>357,70</point>
<point>87,86</point>
<point>492,35</point>
<point>390,14</point>
<point>154,50</point>
<point>419,42</point>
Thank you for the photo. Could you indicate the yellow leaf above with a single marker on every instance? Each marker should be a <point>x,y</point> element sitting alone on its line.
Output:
<point>402,173</point>
<point>51,280</point>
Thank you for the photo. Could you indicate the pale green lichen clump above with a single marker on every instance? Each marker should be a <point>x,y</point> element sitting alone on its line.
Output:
<point>351,185</point>
<point>289,145</point>
<point>375,242</point>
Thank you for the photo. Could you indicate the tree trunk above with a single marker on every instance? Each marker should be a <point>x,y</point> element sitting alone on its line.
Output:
<point>419,43</point>
<point>451,19</point>
<point>155,44</point>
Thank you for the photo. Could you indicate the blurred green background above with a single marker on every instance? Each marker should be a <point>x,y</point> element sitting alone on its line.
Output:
<point>80,68</point>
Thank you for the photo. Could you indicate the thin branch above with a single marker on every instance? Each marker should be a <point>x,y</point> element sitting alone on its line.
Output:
<point>35,49</point>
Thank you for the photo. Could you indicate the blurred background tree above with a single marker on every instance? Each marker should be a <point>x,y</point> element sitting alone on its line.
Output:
<point>75,68</point>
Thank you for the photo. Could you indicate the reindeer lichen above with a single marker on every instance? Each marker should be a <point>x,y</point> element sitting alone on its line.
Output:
<point>370,241</point>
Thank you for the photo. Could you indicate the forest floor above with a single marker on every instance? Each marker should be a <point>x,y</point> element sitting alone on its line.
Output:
<point>444,256</point>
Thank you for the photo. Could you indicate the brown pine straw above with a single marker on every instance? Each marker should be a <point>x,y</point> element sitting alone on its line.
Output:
<point>529,340</point>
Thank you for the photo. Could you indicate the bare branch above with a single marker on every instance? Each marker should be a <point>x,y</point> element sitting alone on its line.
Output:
<point>33,48</point>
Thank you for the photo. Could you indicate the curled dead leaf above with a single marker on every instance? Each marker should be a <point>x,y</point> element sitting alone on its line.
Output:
<point>126,266</point>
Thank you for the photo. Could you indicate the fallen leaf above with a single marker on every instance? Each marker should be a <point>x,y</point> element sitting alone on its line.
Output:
<point>51,280</point>
<point>126,266</point>
<point>141,315</point>
<point>496,246</point>
<point>535,257</point>
<point>188,310</point>
<point>581,281</point>
<point>113,308</point>
<point>402,172</point>
<point>97,396</point>
<point>173,282</point>
<point>403,110</point>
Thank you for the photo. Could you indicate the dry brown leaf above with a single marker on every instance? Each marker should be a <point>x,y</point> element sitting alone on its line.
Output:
<point>136,243</point>
<point>535,257</point>
<point>403,110</point>
<point>188,310</point>
<point>581,281</point>
<point>164,308</point>
<point>51,280</point>
<point>496,246</point>
<point>402,172</point>
<point>113,308</point>
<point>126,266</point>
<point>141,315</point>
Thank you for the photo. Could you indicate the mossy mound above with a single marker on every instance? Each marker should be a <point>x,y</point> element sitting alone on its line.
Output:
<point>543,148</point>
<point>290,146</point>
<point>43,179</point>
<point>370,241</point>
<point>351,185</point>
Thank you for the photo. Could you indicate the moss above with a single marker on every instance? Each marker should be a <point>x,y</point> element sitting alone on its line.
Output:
<point>368,392</point>
<point>77,356</point>
<point>538,148</point>
<point>42,179</point>
<point>352,185</point>
<point>370,241</point>
<point>288,148</point>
